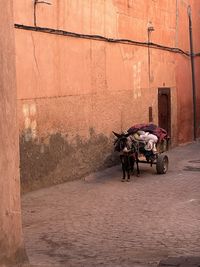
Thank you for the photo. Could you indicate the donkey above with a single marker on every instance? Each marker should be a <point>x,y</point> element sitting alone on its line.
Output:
<point>128,154</point>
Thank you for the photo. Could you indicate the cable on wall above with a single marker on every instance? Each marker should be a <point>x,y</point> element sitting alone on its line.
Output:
<point>102,38</point>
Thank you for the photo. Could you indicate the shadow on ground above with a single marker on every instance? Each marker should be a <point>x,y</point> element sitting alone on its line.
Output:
<point>180,262</point>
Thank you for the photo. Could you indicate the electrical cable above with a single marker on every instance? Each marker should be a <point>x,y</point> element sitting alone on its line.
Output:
<point>102,38</point>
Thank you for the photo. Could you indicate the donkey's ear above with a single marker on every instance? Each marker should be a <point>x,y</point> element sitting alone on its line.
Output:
<point>117,135</point>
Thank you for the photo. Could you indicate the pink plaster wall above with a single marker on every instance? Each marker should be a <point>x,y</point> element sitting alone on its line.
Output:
<point>196,40</point>
<point>74,86</point>
<point>183,71</point>
<point>11,243</point>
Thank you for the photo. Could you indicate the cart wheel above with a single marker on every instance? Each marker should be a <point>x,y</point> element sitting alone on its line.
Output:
<point>162,164</point>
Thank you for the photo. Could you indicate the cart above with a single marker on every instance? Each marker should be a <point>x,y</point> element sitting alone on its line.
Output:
<point>158,158</point>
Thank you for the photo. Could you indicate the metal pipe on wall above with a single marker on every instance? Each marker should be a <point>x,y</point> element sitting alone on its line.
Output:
<point>150,28</point>
<point>193,72</point>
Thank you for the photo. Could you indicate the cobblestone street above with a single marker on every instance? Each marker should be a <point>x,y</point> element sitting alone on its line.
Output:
<point>100,221</point>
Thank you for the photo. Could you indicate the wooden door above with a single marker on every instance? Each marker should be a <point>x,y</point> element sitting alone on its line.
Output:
<point>164,109</point>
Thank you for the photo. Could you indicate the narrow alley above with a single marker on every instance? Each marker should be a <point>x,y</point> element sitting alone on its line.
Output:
<point>99,221</point>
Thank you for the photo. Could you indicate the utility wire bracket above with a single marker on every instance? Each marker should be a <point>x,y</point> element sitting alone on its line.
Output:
<point>35,4</point>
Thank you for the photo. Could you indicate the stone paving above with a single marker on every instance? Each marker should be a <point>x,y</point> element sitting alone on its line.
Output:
<point>99,221</point>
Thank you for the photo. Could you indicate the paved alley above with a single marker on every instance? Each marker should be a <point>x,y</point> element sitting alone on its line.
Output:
<point>100,221</point>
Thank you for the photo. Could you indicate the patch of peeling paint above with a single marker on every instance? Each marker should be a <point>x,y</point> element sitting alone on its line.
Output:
<point>30,123</point>
<point>137,80</point>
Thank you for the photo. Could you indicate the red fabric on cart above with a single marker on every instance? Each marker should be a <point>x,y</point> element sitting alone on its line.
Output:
<point>151,128</point>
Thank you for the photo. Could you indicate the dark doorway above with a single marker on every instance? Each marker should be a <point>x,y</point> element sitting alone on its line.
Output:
<point>164,109</point>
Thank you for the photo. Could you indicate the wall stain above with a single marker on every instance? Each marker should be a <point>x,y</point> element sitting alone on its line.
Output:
<point>44,163</point>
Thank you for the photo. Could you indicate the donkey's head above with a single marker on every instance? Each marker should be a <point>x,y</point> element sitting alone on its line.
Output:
<point>123,143</point>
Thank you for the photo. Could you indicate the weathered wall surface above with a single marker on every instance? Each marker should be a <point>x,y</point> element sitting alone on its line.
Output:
<point>183,70</point>
<point>73,92</point>
<point>11,244</point>
<point>196,44</point>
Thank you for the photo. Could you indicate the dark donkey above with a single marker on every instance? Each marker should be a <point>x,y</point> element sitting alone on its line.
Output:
<point>128,154</point>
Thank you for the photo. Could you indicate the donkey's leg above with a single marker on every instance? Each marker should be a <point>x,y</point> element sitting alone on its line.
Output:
<point>136,159</point>
<point>128,167</point>
<point>128,175</point>
<point>124,172</point>
<point>123,168</point>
